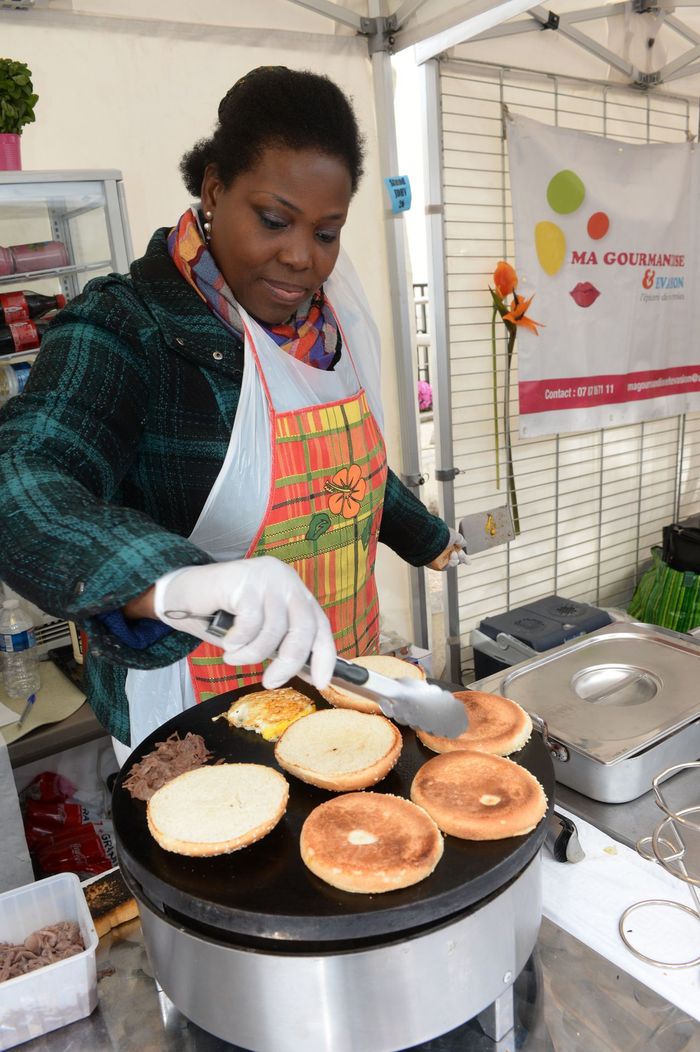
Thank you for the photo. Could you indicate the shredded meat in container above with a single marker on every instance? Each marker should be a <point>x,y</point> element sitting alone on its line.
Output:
<point>169,758</point>
<point>54,943</point>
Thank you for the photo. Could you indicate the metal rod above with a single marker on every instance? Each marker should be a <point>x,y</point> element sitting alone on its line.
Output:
<point>440,346</point>
<point>402,321</point>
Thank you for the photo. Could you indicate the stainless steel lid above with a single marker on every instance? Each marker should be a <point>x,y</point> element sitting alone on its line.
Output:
<point>614,692</point>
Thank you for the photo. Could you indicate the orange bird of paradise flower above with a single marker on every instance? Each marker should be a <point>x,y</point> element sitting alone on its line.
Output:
<point>517,314</point>
<point>514,315</point>
<point>505,279</point>
<point>347,489</point>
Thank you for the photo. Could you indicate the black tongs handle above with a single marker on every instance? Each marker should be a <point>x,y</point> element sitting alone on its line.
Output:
<point>350,672</point>
<point>222,621</point>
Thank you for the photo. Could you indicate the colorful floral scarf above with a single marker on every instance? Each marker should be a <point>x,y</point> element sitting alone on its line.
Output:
<point>310,335</point>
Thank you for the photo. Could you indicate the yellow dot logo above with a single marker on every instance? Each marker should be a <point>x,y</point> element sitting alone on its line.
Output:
<point>550,245</point>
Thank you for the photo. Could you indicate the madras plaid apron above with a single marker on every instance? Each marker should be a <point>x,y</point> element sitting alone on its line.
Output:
<point>323,515</point>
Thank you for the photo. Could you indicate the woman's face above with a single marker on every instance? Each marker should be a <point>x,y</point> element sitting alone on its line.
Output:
<point>275,231</point>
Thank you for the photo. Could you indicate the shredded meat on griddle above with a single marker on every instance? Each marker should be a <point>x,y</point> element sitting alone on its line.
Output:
<point>45,946</point>
<point>171,757</point>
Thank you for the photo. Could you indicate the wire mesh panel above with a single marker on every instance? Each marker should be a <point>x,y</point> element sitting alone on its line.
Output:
<point>591,503</point>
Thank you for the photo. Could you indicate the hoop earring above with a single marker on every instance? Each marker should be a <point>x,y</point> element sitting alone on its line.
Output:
<point>207,226</point>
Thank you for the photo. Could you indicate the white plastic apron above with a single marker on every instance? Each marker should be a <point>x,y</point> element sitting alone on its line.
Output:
<point>235,507</point>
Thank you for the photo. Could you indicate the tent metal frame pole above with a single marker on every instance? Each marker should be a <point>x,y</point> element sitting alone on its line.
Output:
<point>440,346</point>
<point>401,311</point>
<point>333,11</point>
<point>457,25</point>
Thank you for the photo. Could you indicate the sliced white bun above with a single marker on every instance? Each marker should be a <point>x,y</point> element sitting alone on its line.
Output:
<point>385,665</point>
<point>370,843</point>
<point>339,749</point>
<point>215,810</point>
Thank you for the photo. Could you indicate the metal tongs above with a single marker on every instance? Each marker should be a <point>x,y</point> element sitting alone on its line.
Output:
<point>412,702</point>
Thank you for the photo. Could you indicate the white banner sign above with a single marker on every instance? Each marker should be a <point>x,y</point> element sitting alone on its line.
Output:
<point>606,238</point>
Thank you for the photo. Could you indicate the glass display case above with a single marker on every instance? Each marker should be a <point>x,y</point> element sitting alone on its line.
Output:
<point>58,230</point>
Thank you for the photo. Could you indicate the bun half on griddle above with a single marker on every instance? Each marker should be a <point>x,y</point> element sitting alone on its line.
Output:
<point>339,749</point>
<point>479,797</point>
<point>497,725</point>
<point>385,665</point>
<point>215,810</point>
<point>370,843</point>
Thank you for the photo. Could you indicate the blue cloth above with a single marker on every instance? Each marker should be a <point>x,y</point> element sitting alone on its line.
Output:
<point>139,634</point>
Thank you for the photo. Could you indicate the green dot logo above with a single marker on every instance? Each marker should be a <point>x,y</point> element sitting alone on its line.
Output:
<point>565,192</point>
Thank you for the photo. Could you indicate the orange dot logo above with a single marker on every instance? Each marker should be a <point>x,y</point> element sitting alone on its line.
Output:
<point>598,225</point>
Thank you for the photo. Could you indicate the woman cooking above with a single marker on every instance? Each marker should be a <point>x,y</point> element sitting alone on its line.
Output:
<point>204,434</point>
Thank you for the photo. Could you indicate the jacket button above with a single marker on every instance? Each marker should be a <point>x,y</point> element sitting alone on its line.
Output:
<point>179,341</point>
<point>217,356</point>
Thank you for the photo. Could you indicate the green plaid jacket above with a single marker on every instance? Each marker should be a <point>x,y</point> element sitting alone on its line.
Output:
<point>108,457</point>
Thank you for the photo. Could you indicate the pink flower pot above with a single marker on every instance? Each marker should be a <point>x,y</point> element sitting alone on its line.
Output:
<point>10,155</point>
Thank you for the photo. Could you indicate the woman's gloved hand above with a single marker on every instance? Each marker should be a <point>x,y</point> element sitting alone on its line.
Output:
<point>453,555</point>
<point>273,610</point>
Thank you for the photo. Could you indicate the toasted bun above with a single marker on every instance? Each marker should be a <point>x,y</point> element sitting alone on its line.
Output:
<point>496,725</point>
<point>214,810</point>
<point>339,749</point>
<point>370,843</point>
<point>268,712</point>
<point>479,797</point>
<point>385,665</point>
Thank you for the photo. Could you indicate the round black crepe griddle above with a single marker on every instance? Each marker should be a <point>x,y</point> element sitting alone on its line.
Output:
<point>265,890</point>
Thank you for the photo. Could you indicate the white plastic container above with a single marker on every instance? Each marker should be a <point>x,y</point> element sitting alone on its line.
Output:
<point>60,993</point>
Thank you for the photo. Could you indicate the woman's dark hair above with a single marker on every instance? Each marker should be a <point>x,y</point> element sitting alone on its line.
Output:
<point>278,107</point>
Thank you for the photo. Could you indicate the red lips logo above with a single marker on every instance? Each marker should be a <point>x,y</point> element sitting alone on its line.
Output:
<point>584,294</point>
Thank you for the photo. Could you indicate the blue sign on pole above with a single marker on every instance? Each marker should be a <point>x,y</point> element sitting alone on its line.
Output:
<point>399,189</point>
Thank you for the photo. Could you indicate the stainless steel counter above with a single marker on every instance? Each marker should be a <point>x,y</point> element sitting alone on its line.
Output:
<point>568,999</point>
<point>639,818</point>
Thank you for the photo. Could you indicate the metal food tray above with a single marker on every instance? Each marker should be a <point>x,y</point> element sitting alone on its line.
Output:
<point>619,704</point>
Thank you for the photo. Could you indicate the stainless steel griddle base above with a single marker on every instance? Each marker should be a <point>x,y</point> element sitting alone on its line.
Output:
<point>385,998</point>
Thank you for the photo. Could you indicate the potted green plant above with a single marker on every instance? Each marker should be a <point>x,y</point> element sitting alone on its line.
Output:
<point>17,102</point>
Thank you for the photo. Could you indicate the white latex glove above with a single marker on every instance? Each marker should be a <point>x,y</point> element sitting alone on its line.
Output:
<point>458,556</point>
<point>274,611</point>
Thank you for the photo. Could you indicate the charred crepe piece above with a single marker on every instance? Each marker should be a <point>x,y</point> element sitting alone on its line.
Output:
<point>110,902</point>
<point>370,843</point>
<point>268,712</point>
<point>475,796</point>
<point>496,725</point>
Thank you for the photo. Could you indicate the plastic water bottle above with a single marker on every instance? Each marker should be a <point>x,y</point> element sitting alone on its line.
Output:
<point>18,652</point>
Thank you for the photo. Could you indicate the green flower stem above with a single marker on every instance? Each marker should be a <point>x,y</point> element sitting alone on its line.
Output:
<point>512,494</point>
<point>494,376</point>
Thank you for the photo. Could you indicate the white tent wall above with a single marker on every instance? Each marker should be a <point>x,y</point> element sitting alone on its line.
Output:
<point>591,504</point>
<point>132,86</point>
